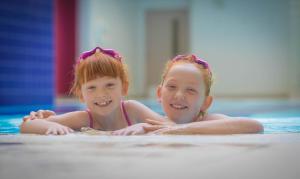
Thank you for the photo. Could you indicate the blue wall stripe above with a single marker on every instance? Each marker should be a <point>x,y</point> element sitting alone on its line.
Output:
<point>26,52</point>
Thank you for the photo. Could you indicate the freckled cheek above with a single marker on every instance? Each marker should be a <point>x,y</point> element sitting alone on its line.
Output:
<point>87,98</point>
<point>88,95</point>
<point>115,92</point>
<point>84,95</point>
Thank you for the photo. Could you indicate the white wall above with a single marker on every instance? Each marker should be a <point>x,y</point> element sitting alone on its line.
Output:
<point>252,45</point>
<point>294,65</point>
<point>110,24</point>
<point>246,43</point>
<point>120,24</point>
<point>143,7</point>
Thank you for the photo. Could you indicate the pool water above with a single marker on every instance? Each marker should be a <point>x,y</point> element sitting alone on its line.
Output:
<point>276,116</point>
<point>10,124</point>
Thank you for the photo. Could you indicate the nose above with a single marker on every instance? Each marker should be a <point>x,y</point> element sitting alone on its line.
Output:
<point>179,94</point>
<point>102,93</point>
<point>102,98</point>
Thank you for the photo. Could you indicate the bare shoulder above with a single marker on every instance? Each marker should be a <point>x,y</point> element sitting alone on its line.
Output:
<point>140,112</point>
<point>132,105</point>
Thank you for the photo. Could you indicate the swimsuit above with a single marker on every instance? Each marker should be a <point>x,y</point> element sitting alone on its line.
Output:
<point>91,120</point>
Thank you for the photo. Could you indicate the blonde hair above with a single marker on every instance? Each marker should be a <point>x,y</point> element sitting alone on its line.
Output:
<point>98,65</point>
<point>207,75</point>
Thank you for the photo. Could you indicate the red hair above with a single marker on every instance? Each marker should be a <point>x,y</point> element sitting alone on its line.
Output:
<point>98,65</point>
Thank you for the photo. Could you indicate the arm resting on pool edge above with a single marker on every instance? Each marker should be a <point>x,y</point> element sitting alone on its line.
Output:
<point>220,126</point>
<point>57,125</point>
<point>41,126</point>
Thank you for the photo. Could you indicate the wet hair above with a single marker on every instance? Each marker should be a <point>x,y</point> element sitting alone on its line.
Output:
<point>98,65</point>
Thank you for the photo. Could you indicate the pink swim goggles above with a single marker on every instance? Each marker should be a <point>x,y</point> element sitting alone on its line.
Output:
<point>195,59</point>
<point>110,52</point>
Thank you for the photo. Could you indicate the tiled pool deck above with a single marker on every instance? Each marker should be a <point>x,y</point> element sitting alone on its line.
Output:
<point>150,157</point>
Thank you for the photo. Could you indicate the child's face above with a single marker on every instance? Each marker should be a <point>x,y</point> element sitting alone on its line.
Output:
<point>102,95</point>
<point>182,93</point>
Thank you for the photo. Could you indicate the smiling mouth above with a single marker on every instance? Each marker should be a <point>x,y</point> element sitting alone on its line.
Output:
<point>103,104</point>
<point>178,106</point>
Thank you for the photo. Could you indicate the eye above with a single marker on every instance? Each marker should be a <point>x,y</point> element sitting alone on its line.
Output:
<point>110,85</point>
<point>171,87</point>
<point>192,90</point>
<point>90,88</point>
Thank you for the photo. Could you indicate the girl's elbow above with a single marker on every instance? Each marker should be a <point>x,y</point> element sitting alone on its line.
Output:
<point>259,127</point>
<point>256,127</point>
<point>22,127</point>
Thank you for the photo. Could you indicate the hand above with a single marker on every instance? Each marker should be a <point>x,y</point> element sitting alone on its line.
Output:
<point>91,131</point>
<point>158,124</point>
<point>166,122</point>
<point>161,130</point>
<point>40,114</point>
<point>136,129</point>
<point>58,129</point>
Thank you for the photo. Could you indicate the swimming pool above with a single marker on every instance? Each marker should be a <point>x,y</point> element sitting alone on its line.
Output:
<point>277,116</point>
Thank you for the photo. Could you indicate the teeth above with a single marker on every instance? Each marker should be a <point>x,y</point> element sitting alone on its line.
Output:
<point>178,106</point>
<point>105,103</point>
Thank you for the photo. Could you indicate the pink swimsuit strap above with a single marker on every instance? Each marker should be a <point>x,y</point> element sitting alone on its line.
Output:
<point>125,113</point>
<point>91,120</point>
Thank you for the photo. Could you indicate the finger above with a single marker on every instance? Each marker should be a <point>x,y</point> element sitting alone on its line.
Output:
<point>54,132</point>
<point>131,132</point>
<point>118,132</point>
<point>125,132</point>
<point>40,114</point>
<point>135,133</point>
<point>154,122</point>
<point>70,130</point>
<point>51,131</point>
<point>156,132</point>
<point>152,128</point>
<point>33,115</point>
<point>49,113</point>
<point>152,133</point>
<point>165,131</point>
<point>115,132</point>
<point>47,132</point>
<point>66,130</point>
<point>61,131</point>
<point>139,132</point>
<point>25,118</point>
